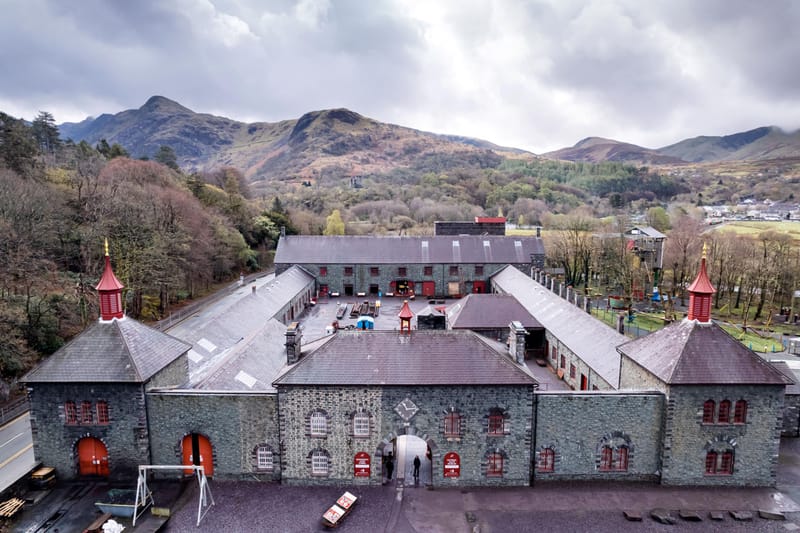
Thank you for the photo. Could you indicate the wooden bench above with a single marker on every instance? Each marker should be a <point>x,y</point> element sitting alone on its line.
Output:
<point>97,525</point>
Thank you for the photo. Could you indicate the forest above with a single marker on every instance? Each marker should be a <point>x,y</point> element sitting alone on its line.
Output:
<point>175,236</point>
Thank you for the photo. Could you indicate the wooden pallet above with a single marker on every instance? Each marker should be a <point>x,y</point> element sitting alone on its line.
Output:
<point>10,507</point>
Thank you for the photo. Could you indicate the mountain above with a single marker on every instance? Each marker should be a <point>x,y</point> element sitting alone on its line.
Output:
<point>768,142</point>
<point>319,142</point>
<point>595,149</point>
<point>760,144</point>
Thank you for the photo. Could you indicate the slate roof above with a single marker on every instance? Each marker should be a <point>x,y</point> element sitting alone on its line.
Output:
<point>588,338</point>
<point>425,357</point>
<point>237,344</point>
<point>486,249</point>
<point>118,350</point>
<point>647,231</point>
<point>695,353</point>
<point>790,372</point>
<point>489,311</point>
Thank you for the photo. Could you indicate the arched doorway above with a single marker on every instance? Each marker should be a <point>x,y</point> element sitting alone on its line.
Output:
<point>92,457</point>
<point>196,450</point>
<point>405,448</point>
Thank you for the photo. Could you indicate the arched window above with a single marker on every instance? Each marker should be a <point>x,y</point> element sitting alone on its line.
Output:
<point>740,412</point>
<point>361,425</point>
<point>498,425</point>
<point>547,460</point>
<point>614,459</point>
<point>724,416</point>
<point>719,464</point>
<point>70,414</point>
<point>494,464</point>
<point>452,425</point>
<point>708,411</point>
<point>86,413</point>
<point>318,424</point>
<point>102,412</point>
<point>264,458</point>
<point>319,463</point>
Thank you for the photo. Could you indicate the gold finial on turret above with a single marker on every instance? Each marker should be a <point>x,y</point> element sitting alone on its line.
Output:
<point>705,250</point>
<point>106,247</point>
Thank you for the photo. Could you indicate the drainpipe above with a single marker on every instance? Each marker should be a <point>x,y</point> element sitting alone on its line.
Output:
<point>535,410</point>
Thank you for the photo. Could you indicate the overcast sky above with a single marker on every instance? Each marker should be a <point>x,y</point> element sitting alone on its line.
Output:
<point>538,74</point>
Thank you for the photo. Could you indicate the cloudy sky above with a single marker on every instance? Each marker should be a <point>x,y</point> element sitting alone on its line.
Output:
<point>536,74</point>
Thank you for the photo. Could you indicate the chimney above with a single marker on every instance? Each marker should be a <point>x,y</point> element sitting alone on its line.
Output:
<point>293,341</point>
<point>516,341</point>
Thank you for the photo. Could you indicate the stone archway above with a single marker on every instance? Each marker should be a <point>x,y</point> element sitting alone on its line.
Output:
<point>403,447</point>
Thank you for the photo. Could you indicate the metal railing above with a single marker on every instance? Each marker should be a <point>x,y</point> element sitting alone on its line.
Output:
<point>13,409</point>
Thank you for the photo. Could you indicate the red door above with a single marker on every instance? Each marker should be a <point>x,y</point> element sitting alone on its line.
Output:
<point>478,287</point>
<point>428,289</point>
<point>196,450</point>
<point>92,457</point>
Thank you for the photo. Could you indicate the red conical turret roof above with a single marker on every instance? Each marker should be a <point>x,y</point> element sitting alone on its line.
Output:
<point>700,292</point>
<point>405,317</point>
<point>110,290</point>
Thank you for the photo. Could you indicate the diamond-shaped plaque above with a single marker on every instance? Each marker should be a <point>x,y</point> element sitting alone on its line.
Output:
<point>406,409</point>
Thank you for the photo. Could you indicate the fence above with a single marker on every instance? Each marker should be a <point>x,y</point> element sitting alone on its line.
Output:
<point>13,409</point>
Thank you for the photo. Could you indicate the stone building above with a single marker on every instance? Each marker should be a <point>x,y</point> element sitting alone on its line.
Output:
<point>245,394</point>
<point>88,399</point>
<point>437,266</point>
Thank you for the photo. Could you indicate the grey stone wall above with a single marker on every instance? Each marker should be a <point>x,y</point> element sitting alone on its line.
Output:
<point>635,377</point>
<point>791,416</point>
<point>361,279</point>
<point>173,375</point>
<point>755,443</point>
<point>577,425</point>
<point>473,446</point>
<point>125,436</point>
<point>298,303</point>
<point>235,425</point>
<point>339,404</point>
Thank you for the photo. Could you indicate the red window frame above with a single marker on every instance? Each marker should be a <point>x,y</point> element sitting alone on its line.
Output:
<point>494,465</point>
<point>711,463</point>
<point>726,465</point>
<point>87,417</point>
<point>496,424</point>
<point>323,271</point>
<point>479,270</point>
<point>547,460</point>
<point>374,271</point>
<point>402,271</point>
<point>348,271</point>
<point>740,412</point>
<point>724,413</point>
<point>454,270</point>
<point>70,414</point>
<point>102,412</point>
<point>606,458</point>
<point>614,460</point>
<point>452,425</point>
<point>428,271</point>
<point>563,362</point>
<point>572,371</point>
<point>708,411</point>
<point>553,353</point>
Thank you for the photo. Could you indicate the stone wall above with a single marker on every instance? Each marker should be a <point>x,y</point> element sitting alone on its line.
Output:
<point>755,443</point>
<point>174,374</point>
<point>235,424</point>
<point>125,436</point>
<point>577,425</point>
<point>791,416</point>
<point>635,377</point>
<point>362,278</point>
<point>433,403</point>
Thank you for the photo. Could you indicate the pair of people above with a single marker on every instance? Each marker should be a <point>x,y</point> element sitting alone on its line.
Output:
<point>390,467</point>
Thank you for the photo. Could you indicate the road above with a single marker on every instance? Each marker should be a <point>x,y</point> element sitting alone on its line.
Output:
<point>16,450</point>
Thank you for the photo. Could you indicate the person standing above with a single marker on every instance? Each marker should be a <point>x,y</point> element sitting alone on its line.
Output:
<point>416,468</point>
<point>389,466</point>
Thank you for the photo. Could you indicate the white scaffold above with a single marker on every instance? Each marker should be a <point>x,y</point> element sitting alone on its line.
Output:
<point>145,497</point>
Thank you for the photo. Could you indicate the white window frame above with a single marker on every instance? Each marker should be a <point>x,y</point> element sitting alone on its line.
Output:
<point>361,425</point>
<point>318,423</point>
<point>265,458</point>
<point>319,463</point>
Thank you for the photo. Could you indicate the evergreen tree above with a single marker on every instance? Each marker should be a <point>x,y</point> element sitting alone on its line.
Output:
<point>46,132</point>
<point>166,156</point>
<point>18,149</point>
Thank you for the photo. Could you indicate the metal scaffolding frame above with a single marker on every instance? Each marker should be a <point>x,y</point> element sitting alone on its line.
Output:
<point>144,495</point>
